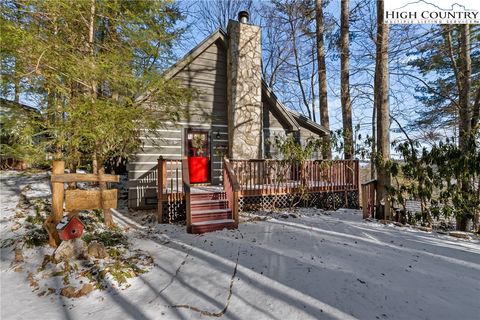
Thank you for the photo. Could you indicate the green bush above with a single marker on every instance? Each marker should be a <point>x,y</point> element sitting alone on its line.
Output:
<point>110,238</point>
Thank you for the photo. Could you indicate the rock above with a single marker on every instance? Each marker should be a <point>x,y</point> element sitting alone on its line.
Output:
<point>15,227</point>
<point>459,234</point>
<point>68,292</point>
<point>284,216</point>
<point>257,218</point>
<point>398,224</point>
<point>86,289</point>
<point>70,249</point>
<point>97,250</point>
<point>426,229</point>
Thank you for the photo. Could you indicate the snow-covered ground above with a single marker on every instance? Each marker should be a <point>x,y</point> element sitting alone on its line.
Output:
<point>312,266</point>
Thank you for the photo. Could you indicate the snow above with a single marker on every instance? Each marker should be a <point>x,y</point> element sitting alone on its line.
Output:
<point>63,223</point>
<point>308,265</point>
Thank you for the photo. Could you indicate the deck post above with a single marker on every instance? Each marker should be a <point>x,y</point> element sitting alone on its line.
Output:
<point>160,173</point>
<point>232,189</point>
<point>186,191</point>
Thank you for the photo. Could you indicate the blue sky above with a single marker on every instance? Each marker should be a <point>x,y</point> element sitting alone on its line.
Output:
<point>402,102</point>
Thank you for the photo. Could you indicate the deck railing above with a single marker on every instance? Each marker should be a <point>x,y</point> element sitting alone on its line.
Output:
<point>243,178</point>
<point>169,173</point>
<point>368,191</point>
<point>269,177</point>
<point>232,188</point>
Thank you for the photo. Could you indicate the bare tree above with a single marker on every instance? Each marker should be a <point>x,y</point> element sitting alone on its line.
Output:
<point>322,75</point>
<point>275,44</point>
<point>289,57</point>
<point>381,93</point>
<point>345,80</point>
<point>214,14</point>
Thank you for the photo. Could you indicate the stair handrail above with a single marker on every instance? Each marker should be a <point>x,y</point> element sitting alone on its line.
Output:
<point>186,191</point>
<point>232,188</point>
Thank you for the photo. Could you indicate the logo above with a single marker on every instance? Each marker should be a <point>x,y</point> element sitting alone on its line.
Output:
<point>432,12</point>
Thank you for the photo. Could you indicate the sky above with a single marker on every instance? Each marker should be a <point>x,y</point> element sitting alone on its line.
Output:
<point>402,101</point>
<point>362,109</point>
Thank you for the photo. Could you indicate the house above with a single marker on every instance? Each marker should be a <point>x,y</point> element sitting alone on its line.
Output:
<point>235,113</point>
<point>13,115</point>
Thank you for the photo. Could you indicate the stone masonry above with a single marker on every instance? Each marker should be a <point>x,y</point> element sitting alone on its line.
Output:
<point>244,93</point>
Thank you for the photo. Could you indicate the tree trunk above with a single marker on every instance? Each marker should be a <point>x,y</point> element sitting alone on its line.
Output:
<point>322,78</point>
<point>462,70</point>
<point>463,223</point>
<point>345,81</point>
<point>465,112</point>
<point>16,82</point>
<point>297,69</point>
<point>94,164</point>
<point>374,141</point>
<point>465,73</point>
<point>476,110</point>
<point>381,91</point>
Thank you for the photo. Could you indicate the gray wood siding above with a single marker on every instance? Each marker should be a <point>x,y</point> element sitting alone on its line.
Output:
<point>272,126</point>
<point>207,75</point>
<point>305,134</point>
<point>207,111</point>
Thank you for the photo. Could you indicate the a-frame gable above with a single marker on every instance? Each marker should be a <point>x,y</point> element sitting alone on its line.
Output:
<point>218,36</point>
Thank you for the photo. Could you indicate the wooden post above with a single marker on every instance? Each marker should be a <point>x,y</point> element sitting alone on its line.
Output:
<point>160,171</point>
<point>186,191</point>
<point>58,190</point>
<point>235,208</point>
<point>107,213</point>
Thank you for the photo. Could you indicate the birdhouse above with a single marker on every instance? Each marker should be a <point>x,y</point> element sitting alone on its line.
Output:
<point>69,229</point>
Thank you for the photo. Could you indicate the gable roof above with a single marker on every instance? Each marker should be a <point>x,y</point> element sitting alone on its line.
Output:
<point>218,34</point>
<point>308,124</point>
<point>293,119</point>
<point>282,111</point>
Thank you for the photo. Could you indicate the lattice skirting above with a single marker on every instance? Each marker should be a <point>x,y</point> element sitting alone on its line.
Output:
<point>324,200</point>
<point>174,211</point>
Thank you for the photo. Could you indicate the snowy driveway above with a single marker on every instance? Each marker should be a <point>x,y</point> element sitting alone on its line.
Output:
<point>312,267</point>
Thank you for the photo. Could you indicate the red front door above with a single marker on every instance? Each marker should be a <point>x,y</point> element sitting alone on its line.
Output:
<point>198,153</point>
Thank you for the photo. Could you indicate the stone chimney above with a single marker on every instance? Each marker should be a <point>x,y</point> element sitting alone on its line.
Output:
<point>244,89</point>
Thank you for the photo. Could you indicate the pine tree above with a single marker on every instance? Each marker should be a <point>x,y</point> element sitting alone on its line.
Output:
<point>96,69</point>
<point>452,100</point>
<point>445,61</point>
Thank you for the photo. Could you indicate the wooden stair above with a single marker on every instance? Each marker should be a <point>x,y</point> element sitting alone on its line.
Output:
<point>210,212</point>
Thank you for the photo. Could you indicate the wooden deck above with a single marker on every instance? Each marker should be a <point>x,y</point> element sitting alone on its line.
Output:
<point>255,184</point>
